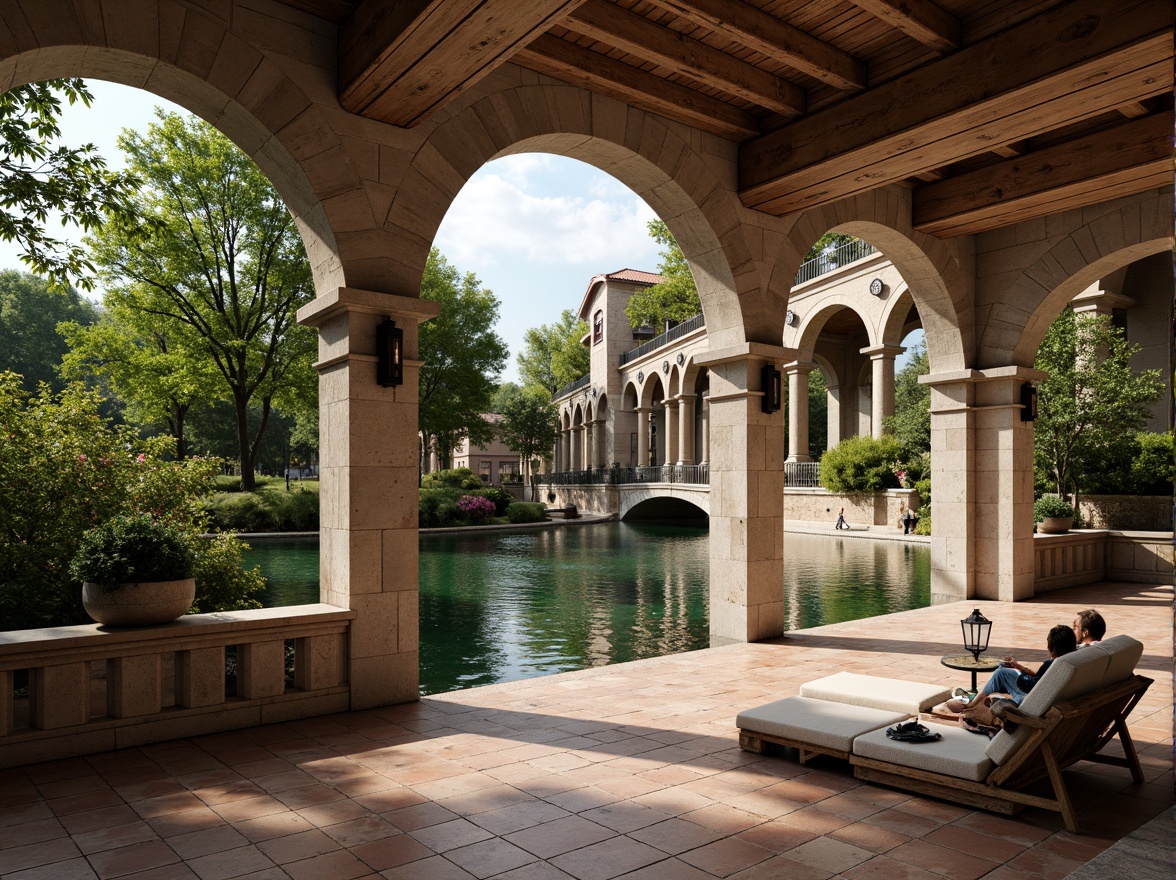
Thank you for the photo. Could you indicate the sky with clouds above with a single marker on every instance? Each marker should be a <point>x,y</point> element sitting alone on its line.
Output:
<point>534,228</point>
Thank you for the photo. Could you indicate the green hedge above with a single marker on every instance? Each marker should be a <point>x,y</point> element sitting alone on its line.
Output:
<point>861,464</point>
<point>526,512</point>
<point>294,511</point>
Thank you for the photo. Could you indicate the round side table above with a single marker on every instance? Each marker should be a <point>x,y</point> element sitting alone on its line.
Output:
<point>969,663</point>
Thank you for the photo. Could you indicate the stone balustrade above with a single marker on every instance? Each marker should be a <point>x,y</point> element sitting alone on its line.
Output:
<point>76,690</point>
<point>1089,555</point>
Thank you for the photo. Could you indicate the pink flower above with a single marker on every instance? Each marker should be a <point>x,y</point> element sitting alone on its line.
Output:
<point>140,458</point>
<point>81,458</point>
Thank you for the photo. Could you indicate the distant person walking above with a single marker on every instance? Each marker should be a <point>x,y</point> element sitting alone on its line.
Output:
<point>841,523</point>
<point>908,521</point>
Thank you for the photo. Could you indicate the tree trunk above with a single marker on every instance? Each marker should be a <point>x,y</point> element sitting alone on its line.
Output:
<point>241,406</point>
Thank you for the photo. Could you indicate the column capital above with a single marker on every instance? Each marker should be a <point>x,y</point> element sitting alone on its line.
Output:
<point>746,351</point>
<point>992,374</point>
<point>796,367</point>
<point>877,352</point>
<point>344,300</point>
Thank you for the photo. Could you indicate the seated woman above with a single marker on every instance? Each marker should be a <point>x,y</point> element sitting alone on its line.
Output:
<point>1017,680</point>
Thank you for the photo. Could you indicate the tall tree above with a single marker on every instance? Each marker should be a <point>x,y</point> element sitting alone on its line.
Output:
<point>463,357</point>
<point>224,265</point>
<point>530,426</point>
<point>156,366</point>
<point>39,177</point>
<point>29,315</point>
<point>552,355</point>
<point>1093,400</point>
<point>911,422</point>
<point>676,297</point>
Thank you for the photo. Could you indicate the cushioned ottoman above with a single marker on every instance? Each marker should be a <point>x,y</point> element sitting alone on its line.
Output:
<point>812,726</point>
<point>959,754</point>
<point>872,692</point>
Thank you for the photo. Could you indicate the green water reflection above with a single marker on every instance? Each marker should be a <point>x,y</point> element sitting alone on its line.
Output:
<point>501,606</point>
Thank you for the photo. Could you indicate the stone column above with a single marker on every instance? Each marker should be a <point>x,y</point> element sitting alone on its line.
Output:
<point>746,497</point>
<point>368,490</point>
<point>704,429</point>
<point>982,479</point>
<point>642,437</point>
<point>586,447</point>
<point>566,440</point>
<point>671,432</point>
<point>686,429</point>
<point>798,410</point>
<point>882,384</point>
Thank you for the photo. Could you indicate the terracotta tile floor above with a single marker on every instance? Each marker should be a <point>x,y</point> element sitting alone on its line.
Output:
<point>627,771</point>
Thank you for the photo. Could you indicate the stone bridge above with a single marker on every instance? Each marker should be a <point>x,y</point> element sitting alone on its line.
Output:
<point>668,492</point>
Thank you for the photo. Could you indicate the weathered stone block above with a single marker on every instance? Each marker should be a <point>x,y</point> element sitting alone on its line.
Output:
<point>133,686</point>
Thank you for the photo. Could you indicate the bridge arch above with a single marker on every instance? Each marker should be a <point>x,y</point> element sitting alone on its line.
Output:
<point>663,503</point>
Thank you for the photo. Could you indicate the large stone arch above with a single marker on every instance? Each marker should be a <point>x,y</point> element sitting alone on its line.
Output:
<point>692,190</point>
<point>1130,230</point>
<point>192,58</point>
<point>938,272</point>
<point>804,338</point>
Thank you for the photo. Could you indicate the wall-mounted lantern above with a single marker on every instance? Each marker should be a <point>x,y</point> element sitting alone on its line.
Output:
<point>1028,402</point>
<point>389,354</point>
<point>773,393</point>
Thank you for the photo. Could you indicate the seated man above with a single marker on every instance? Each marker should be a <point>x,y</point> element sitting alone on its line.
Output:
<point>1017,680</point>
<point>1089,627</point>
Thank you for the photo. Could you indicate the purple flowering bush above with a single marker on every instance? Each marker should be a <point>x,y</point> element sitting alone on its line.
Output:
<point>477,509</point>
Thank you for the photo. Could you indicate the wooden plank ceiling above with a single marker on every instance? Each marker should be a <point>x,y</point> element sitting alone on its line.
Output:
<point>993,111</point>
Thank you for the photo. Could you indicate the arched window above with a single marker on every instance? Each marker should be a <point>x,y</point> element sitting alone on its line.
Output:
<point>598,326</point>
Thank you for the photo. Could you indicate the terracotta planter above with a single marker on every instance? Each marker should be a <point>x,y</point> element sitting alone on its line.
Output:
<point>146,604</point>
<point>1055,525</point>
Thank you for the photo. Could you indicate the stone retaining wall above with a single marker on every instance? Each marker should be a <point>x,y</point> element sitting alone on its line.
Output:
<point>862,509</point>
<point>1140,513</point>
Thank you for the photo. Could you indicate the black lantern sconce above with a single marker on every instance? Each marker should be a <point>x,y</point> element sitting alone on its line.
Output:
<point>976,629</point>
<point>1028,402</point>
<point>773,393</point>
<point>389,354</point>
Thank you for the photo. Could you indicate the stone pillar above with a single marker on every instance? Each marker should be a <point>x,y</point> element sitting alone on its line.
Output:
<point>704,429</point>
<point>882,385</point>
<point>833,422</point>
<point>746,497</point>
<point>598,443</point>
<point>585,459</point>
<point>686,429</point>
<point>368,489</point>
<point>671,431</point>
<point>798,410</point>
<point>982,479</point>
<point>565,439</point>
<point>642,437</point>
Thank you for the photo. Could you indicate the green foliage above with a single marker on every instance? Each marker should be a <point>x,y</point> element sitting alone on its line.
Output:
<point>676,297</point>
<point>526,512</point>
<point>827,246</point>
<point>130,550</point>
<point>1051,505</point>
<point>278,511</point>
<point>552,355</point>
<point>65,469</point>
<point>438,507</point>
<point>861,464</point>
<point>37,178</point>
<point>223,584</point>
<point>29,314</point>
<point>463,357</point>
<point>454,478</point>
<point>923,526</point>
<point>911,422</point>
<point>1093,402</point>
<point>223,275</point>
<point>1138,465</point>
<point>530,426</point>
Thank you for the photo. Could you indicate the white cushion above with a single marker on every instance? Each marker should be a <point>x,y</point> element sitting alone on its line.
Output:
<point>959,753</point>
<point>894,695</point>
<point>822,723</point>
<point>1124,654</point>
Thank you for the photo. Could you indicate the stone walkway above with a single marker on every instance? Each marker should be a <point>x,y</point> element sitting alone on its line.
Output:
<point>626,771</point>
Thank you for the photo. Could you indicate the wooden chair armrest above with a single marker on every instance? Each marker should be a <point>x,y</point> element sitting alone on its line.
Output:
<point>1014,715</point>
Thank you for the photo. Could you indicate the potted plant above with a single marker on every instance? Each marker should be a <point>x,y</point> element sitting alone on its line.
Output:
<point>1055,514</point>
<point>135,571</point>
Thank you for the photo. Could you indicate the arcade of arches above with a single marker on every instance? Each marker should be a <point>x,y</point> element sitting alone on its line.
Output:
<point>897,128</point>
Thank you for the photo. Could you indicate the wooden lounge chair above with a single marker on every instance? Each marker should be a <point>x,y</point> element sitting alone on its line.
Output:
<point>1075,710</point>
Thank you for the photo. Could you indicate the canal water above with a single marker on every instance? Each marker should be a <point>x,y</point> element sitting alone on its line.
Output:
<point>501,606</point>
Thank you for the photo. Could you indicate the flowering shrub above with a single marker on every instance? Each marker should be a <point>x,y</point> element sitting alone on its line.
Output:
<point>476,508</point>
<point>65,469</point>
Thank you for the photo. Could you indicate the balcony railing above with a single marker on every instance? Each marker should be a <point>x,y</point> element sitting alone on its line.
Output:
<point>573,386</point>
<point>691,474</point>
<point>833,259</point>
<point>674,333</point>
<point>75,690</point>
<point>802,474</point>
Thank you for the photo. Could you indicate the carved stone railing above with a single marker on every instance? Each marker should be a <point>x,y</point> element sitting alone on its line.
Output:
<point>82,689</point>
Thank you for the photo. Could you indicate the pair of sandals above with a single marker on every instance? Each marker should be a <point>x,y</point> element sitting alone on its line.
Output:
<point>912,732</point>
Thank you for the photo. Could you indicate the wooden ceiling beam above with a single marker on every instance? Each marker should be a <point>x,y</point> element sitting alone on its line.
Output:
<point>922,20</point>
<point>750,26</point>
<point>1066,65</point>
<point>684,55</point>
<point>607,76</point>
<point>1129,158</point>
<point>400,61</point>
